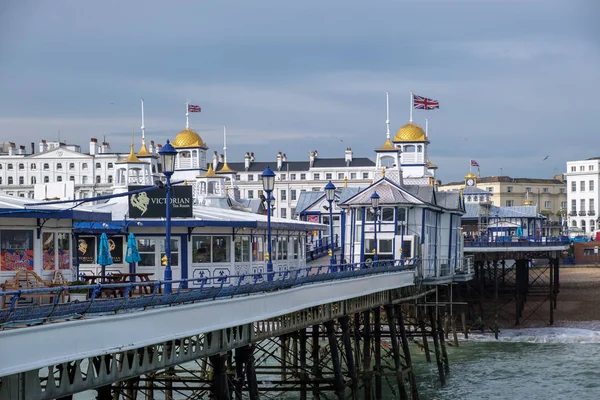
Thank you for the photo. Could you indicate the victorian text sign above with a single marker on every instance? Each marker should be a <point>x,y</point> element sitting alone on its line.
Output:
<point>152,204</point>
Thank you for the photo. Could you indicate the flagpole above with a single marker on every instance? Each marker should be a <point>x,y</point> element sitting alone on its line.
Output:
<point>143,125</point>
<point>225,144</point>
<point>411,105</point>
<point>470,166</point>
<point>387,113</point>
<point>187,114</point>
<point>427,128</point>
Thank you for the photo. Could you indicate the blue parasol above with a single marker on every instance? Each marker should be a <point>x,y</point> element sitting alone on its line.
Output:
<point>132,255</point>
<point>104,257</point>
<point>519,231</point>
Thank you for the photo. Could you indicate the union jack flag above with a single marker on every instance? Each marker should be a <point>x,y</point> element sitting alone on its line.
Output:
<point>423,103</point>
<point>474,163</point>
<point>193,108</point>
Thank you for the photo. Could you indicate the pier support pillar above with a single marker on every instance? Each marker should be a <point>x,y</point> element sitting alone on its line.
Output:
<point>344,322</point>
<point>251,374</point>
<point>368,374</point>
<point>220,387</point>
<point>303,374</point>
<point>421,312</point>
<point>338,378</point>
<point>407,358</point>
<point>377,369</point>
<point>436,344</point>
<point>315,359</point>
<point>391,317</point>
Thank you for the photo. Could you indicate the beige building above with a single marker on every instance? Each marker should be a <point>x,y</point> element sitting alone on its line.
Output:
<point>549,195</point>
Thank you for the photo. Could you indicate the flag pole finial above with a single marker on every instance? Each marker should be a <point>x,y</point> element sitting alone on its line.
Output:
<point>387,113</point>
<point>187,115</point>
<point>411,106</point>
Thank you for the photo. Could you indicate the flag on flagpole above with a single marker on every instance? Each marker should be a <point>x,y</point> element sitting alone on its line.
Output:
<point>194,108</point>
<point>474,163</point>
<point>424,103</point>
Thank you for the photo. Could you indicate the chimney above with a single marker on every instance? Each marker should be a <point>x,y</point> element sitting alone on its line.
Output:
<point>215,161</point>
<point>157,148</point>
<point>279,161</point>
<point>348,156</point>
<point>251,157</point>
<point>93,146</point>
<point>21,149</point>
<point>11,149</point>
<point>284,157</point>
<point>105,147</point>
<point>32,148</point>
<point>221,158</point>
<point>151,148</point>
<point>316,154</point>
<point>247,161</point>
<point>311,158</point>
<point>43,146</point>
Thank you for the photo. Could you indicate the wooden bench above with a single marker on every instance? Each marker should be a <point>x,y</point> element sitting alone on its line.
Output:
<point>26,280</point>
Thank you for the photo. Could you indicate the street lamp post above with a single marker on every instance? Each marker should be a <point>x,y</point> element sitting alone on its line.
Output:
<point>375,204</point>
<point>330,196</point>
<point>268,180</point>
<point>167,155</point>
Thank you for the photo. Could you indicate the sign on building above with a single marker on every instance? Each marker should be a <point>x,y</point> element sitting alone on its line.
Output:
<point>152,204</point>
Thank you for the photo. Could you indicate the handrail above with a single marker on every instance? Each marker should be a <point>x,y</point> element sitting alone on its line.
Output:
<point>205,289</point>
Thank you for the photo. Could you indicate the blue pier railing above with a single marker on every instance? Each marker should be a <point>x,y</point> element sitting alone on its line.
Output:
<point>114,298</point>
<point>321,247</point>
<point>517,241</point>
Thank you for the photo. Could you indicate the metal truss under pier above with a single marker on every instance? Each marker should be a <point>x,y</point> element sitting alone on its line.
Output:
<point>512,286</point>
<point>340,348</point>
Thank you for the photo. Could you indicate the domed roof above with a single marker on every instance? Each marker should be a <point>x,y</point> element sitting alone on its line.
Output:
<point>411,133</point>
<point>188,138</point>
<point>387,146</point>
<point>470,175</point>
<point>144,151</point>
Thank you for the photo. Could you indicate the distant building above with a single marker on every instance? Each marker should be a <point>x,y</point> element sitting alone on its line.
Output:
<point>547,195</point>
<point>582,188</point>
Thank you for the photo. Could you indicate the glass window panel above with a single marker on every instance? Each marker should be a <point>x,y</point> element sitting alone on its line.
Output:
<point>147,248</point>
<point>385,246</point>
<point>282,248</point>
<point>369,246</point>
<point>242,249</point>
<point>387,214</point>
<point>201,249</point>
<point>174,251</point>
<point>48,251</point>
<point>64,244</point>
<point>220,249</point>
<point>295,247</point>
<point>17,249</point>
<point>258,250</point>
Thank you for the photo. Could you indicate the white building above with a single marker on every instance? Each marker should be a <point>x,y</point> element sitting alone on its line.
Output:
<point>64,171</point>
<point>582,194</point>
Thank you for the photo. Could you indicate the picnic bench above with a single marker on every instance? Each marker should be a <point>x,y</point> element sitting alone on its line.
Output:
<point>26,280</point>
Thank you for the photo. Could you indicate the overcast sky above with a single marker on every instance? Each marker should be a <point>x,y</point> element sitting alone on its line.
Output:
<point>516,80</point>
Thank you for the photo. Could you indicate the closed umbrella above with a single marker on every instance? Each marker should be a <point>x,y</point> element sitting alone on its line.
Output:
<point>104,257</point>
<point>519,231</point>
<point>132,255</point>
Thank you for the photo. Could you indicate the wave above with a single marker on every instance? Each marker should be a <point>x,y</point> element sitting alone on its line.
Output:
<point>580,334</point>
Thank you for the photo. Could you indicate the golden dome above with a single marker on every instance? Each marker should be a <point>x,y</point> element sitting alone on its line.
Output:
<point>388,146</point>
<point>527,202</point>
<point>430,165</point>
<point>411,133</point>
<point>188,138</point>
<point>470,175</point>
<point>210,173</point>
<point>143,151</point>
<point>225,169</point>
<point>131,158</point>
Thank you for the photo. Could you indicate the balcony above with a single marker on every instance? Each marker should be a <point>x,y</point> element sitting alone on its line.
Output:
<point>582,213</point>
<point>573,213</point>
<point>591,212</point>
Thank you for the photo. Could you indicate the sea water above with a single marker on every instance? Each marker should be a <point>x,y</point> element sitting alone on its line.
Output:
<point>543,363</point>
<point>523,364</point>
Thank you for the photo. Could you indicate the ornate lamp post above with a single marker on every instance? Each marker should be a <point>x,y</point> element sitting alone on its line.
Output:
<point>375,205</point>
<point>167,155</point>
<point>268,180</point>
<point>330,196</point>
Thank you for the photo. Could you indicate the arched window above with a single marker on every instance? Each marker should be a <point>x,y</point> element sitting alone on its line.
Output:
<point>419,149</point>
<point>592,225</point>
<point>98,179</point>
<point>583,224</point>
<point>387,161</point>
<point>574,223</point>
<point>21,166</point>
<point>469,198</point>
<point>110,179</point>
<point>10,180</point>
<point>33,180</point>
<point>409,148</point>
